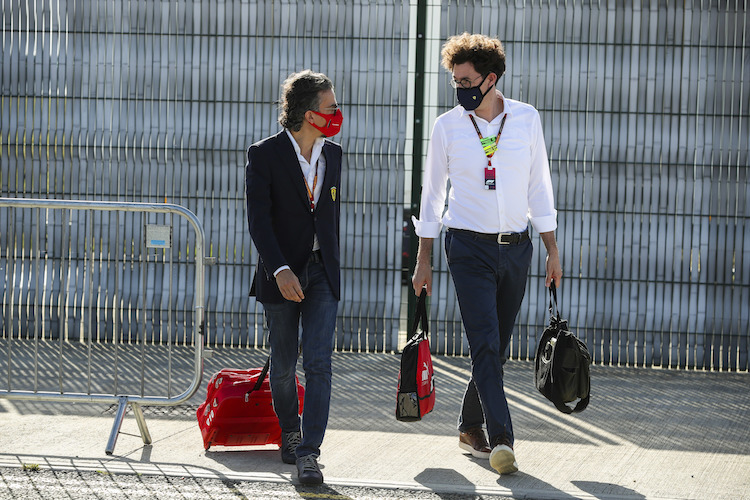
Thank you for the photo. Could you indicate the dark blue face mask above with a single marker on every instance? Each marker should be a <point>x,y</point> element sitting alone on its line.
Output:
<point>472,97</point>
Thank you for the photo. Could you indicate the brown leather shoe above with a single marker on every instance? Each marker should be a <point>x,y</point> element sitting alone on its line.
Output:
<point>475,442</point>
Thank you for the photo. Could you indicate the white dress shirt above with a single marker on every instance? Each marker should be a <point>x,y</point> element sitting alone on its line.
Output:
<point>308,171</point>
<point>523,186</point>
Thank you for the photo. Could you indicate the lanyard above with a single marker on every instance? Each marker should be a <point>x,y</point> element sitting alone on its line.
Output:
<point>487,144</point>
<point>490,146</point>
<point>311,193</point>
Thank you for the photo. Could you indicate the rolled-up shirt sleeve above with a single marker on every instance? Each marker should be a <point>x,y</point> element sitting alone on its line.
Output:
<point>434,180</point>
<point>542,213</point>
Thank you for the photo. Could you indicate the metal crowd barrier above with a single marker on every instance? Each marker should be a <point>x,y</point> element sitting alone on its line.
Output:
<point>61,309</point>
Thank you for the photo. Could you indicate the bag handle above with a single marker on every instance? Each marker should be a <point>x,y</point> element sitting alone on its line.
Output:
<point>261,377</point>
<point>420,316</point>
<point>554,310</point>
<point>553,299</point>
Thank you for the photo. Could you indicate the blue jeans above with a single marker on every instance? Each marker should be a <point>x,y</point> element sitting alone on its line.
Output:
<point>490,281</point>
<point>318,313</point>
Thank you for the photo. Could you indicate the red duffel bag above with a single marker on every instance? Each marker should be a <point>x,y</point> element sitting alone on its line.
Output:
<point>238,410</point>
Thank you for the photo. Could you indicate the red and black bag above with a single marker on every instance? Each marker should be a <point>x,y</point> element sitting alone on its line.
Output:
<point>238,410</point>
<point>416,385</point>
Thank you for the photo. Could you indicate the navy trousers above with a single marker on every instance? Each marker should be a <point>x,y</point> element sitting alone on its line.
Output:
<point>490,281</point>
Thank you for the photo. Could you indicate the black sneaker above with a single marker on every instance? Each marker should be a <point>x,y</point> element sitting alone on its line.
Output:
<point>289,443</point>
<point>308,471</point>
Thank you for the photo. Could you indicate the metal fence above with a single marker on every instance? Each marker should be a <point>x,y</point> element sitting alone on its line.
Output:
<point>644,107</point>
<point>157,101</point>
<point>82,319</point>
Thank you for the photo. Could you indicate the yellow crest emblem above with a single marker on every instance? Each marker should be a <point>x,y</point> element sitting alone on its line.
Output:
<point>333,193</point>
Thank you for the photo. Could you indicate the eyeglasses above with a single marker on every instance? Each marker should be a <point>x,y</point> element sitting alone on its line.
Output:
<point>465,83</point>
<point>330,109</point>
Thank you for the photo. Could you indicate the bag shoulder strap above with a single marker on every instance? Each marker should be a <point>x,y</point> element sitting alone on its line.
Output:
<point>420,318</point>
<point>580,406</point>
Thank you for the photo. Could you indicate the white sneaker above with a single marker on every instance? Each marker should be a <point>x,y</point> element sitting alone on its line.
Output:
<point>503,460</point>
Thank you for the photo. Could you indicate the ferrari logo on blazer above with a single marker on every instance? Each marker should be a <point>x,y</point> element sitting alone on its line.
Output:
<point>333,193</point>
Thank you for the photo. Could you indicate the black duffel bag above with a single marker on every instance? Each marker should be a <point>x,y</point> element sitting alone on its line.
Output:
<point>562,364</point>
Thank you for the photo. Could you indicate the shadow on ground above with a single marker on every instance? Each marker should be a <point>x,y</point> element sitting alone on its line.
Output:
<point>652,408</point>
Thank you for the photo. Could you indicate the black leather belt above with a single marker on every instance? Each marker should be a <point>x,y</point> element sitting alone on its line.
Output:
<point>500,238</point>
<point>316,257</point>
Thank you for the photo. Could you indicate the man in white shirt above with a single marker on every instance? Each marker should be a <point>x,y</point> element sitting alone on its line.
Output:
<point>492,150</point>
<point>292,183</point>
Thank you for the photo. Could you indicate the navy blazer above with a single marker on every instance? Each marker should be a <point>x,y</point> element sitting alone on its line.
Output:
<point>278,213</point>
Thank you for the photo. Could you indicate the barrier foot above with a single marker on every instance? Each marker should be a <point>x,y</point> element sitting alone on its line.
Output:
<point>122,406</point>
<point>138,412</point>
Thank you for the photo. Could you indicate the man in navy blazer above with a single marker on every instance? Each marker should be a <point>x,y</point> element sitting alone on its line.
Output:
<point>292,183</point>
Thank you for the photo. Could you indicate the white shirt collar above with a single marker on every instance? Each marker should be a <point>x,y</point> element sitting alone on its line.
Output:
<point>316,149</point>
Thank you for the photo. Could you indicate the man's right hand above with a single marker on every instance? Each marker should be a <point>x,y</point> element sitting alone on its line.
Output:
<point>289,286</point>
<point>422,277</point>
<point>423,269</point>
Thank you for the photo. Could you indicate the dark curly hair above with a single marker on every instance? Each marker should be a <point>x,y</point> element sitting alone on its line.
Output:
<point>300,93</point>
<point>485,53</point>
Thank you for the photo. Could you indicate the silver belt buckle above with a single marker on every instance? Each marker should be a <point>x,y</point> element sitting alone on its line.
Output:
<point>500,239</point>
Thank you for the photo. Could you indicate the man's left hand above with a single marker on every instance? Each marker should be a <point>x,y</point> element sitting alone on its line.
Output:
<point>554,270</point>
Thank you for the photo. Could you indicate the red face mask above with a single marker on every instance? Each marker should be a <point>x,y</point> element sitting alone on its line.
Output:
<point>333,123</point>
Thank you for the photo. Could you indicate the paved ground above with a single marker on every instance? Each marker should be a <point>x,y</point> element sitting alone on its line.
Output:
<point>647,433</point>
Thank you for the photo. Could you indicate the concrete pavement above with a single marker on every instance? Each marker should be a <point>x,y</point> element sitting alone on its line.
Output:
<point>647,433</point>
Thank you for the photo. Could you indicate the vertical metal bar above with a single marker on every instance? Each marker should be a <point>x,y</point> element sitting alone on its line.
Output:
<point>144,259</point>
<point>169,313</point>
<point>742,41</point>
<point>62,309</point>
<point>417,152</point>
<point>9,273</point>
<point>116,311</point>
<point>89,240</point>
<point>38,321</point>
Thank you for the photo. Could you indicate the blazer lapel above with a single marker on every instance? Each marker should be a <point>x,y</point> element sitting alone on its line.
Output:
<point>290,163</point>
